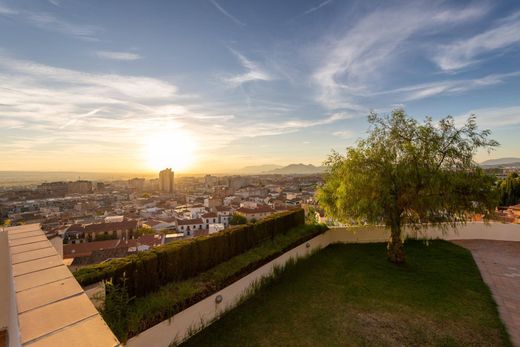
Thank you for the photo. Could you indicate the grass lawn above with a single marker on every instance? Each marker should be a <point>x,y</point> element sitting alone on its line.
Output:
<point>349,294</point>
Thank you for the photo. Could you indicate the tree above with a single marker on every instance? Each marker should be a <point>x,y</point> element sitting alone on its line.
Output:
<point>509,190</point>
<point>143,231</point>
<point>410,173</point>
<point>237,219</point>
<point>310,216</point>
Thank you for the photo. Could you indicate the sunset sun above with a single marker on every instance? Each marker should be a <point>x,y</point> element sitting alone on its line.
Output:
<point>175,149</point>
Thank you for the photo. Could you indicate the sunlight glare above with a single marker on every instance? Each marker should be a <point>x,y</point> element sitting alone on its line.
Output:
<point>174,149</point>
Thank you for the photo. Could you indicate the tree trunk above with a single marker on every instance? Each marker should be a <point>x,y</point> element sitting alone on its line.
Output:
<point>395,249</point>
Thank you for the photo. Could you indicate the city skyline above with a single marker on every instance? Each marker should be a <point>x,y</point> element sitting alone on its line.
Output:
<point>213,86</point>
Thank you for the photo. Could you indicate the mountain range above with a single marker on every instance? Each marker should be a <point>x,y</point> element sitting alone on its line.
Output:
<point>309,169</point>
<point>292,169</point>
<point>500,162</point>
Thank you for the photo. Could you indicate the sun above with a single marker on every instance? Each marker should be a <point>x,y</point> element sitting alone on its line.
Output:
<point>174,149</point>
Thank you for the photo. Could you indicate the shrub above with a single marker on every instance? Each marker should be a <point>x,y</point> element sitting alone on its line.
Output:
<point>146,271</point>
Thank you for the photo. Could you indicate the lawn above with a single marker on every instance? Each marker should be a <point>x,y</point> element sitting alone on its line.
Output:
<point>348,294</point>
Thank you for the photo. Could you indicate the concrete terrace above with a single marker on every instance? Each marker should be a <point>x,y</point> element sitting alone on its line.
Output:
<point>41,302</point>
<point>499,264</point>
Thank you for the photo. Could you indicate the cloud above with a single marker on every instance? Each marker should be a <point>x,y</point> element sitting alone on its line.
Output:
<point>55,2</point>
<point>466,52</point>
<point>316,8</point>
<point>47,21</point>
<point>290,126</point>
<point>425,90</point>
<point>344,134</point>
<point>226,13</point>
<point>253,72</point>
<point>112,55</point>
<point>494,117</point>
<point>119,85</point>
<point>355,60</point>
<point>4,10</point>
<point>47,112</point>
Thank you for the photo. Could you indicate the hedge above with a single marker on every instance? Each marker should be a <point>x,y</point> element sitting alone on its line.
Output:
<point>144,312</point>
<point>146,271</point>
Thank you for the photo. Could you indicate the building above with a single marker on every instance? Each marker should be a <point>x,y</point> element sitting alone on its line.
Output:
<point>166,183</point>
<point>78,233</point>
<point>190,227</point>
<point>255,213</point>
<point>136,184</point>
<point>209,218</point>
<point>210,181</point>
<point>80,187</point>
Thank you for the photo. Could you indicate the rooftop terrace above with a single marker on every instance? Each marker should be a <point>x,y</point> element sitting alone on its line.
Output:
<point>41,302</point>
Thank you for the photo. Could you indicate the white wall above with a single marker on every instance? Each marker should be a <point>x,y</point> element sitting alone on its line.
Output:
<point>204,312</point>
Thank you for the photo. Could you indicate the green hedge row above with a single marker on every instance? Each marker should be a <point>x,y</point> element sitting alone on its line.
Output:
<point>146,271</point>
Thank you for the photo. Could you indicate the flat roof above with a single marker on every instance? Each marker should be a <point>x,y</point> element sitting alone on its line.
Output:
<point>52,307</point>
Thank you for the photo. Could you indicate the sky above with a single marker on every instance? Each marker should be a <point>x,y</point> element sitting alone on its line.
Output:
<point>210,86</point>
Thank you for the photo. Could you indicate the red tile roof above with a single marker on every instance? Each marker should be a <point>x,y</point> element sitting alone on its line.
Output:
<point>189,221</point>
<point>86,249</point>
<point>209,215</point>
<point>259,209</point>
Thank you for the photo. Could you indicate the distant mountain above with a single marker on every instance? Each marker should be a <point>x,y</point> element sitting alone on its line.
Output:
<point>297,169</point>
<point>501,162</point>
<point>257,169</point>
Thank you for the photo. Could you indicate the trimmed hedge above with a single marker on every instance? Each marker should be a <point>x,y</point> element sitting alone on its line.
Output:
<point>146,271</point>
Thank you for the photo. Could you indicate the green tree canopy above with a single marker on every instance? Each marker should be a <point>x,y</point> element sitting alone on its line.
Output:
<point>509,190</point>
<point>406,172</point>
<point>237,219</point>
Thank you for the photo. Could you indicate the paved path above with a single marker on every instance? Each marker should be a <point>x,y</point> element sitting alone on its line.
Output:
<point>499,264</point>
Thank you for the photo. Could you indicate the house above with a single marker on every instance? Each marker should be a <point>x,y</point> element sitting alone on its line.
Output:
<point>189,226</point>
<point>78,233</point>
<point>261,211</point>
<point>209,218</point>
<point>224,214</point>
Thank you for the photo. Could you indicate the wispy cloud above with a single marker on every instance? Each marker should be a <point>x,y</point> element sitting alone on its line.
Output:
<point>55,2</point>
<point>113,55</point>
<point>494,117</point>
<point>355,60</point>
<point>4,10</point>
<point>425,90</point>
<point>316,8</point>
<point>253,72</point>
<point>62,110</point>
<point>344,134</point>
<point>48,21</point>
<point>465,52</point>
<point>226,13</point>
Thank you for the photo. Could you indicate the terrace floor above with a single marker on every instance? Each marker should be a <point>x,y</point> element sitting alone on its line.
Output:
<point>499,264</point>
<point>349,294</point>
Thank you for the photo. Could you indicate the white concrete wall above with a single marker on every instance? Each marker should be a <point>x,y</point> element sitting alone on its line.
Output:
<point>8,308</point>
<point>195,317</point>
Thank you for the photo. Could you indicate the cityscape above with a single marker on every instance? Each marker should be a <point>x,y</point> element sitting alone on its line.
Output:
<point>274,173</point>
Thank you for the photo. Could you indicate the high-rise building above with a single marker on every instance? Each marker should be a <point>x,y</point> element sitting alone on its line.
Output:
<point>166,181</point>
<point>136,183</point>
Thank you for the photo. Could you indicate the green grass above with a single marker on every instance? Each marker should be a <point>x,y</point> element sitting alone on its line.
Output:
<point>350,295</point>
<point>144,312</point>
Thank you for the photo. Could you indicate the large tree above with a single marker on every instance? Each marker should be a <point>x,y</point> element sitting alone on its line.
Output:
<point>409,173</point>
